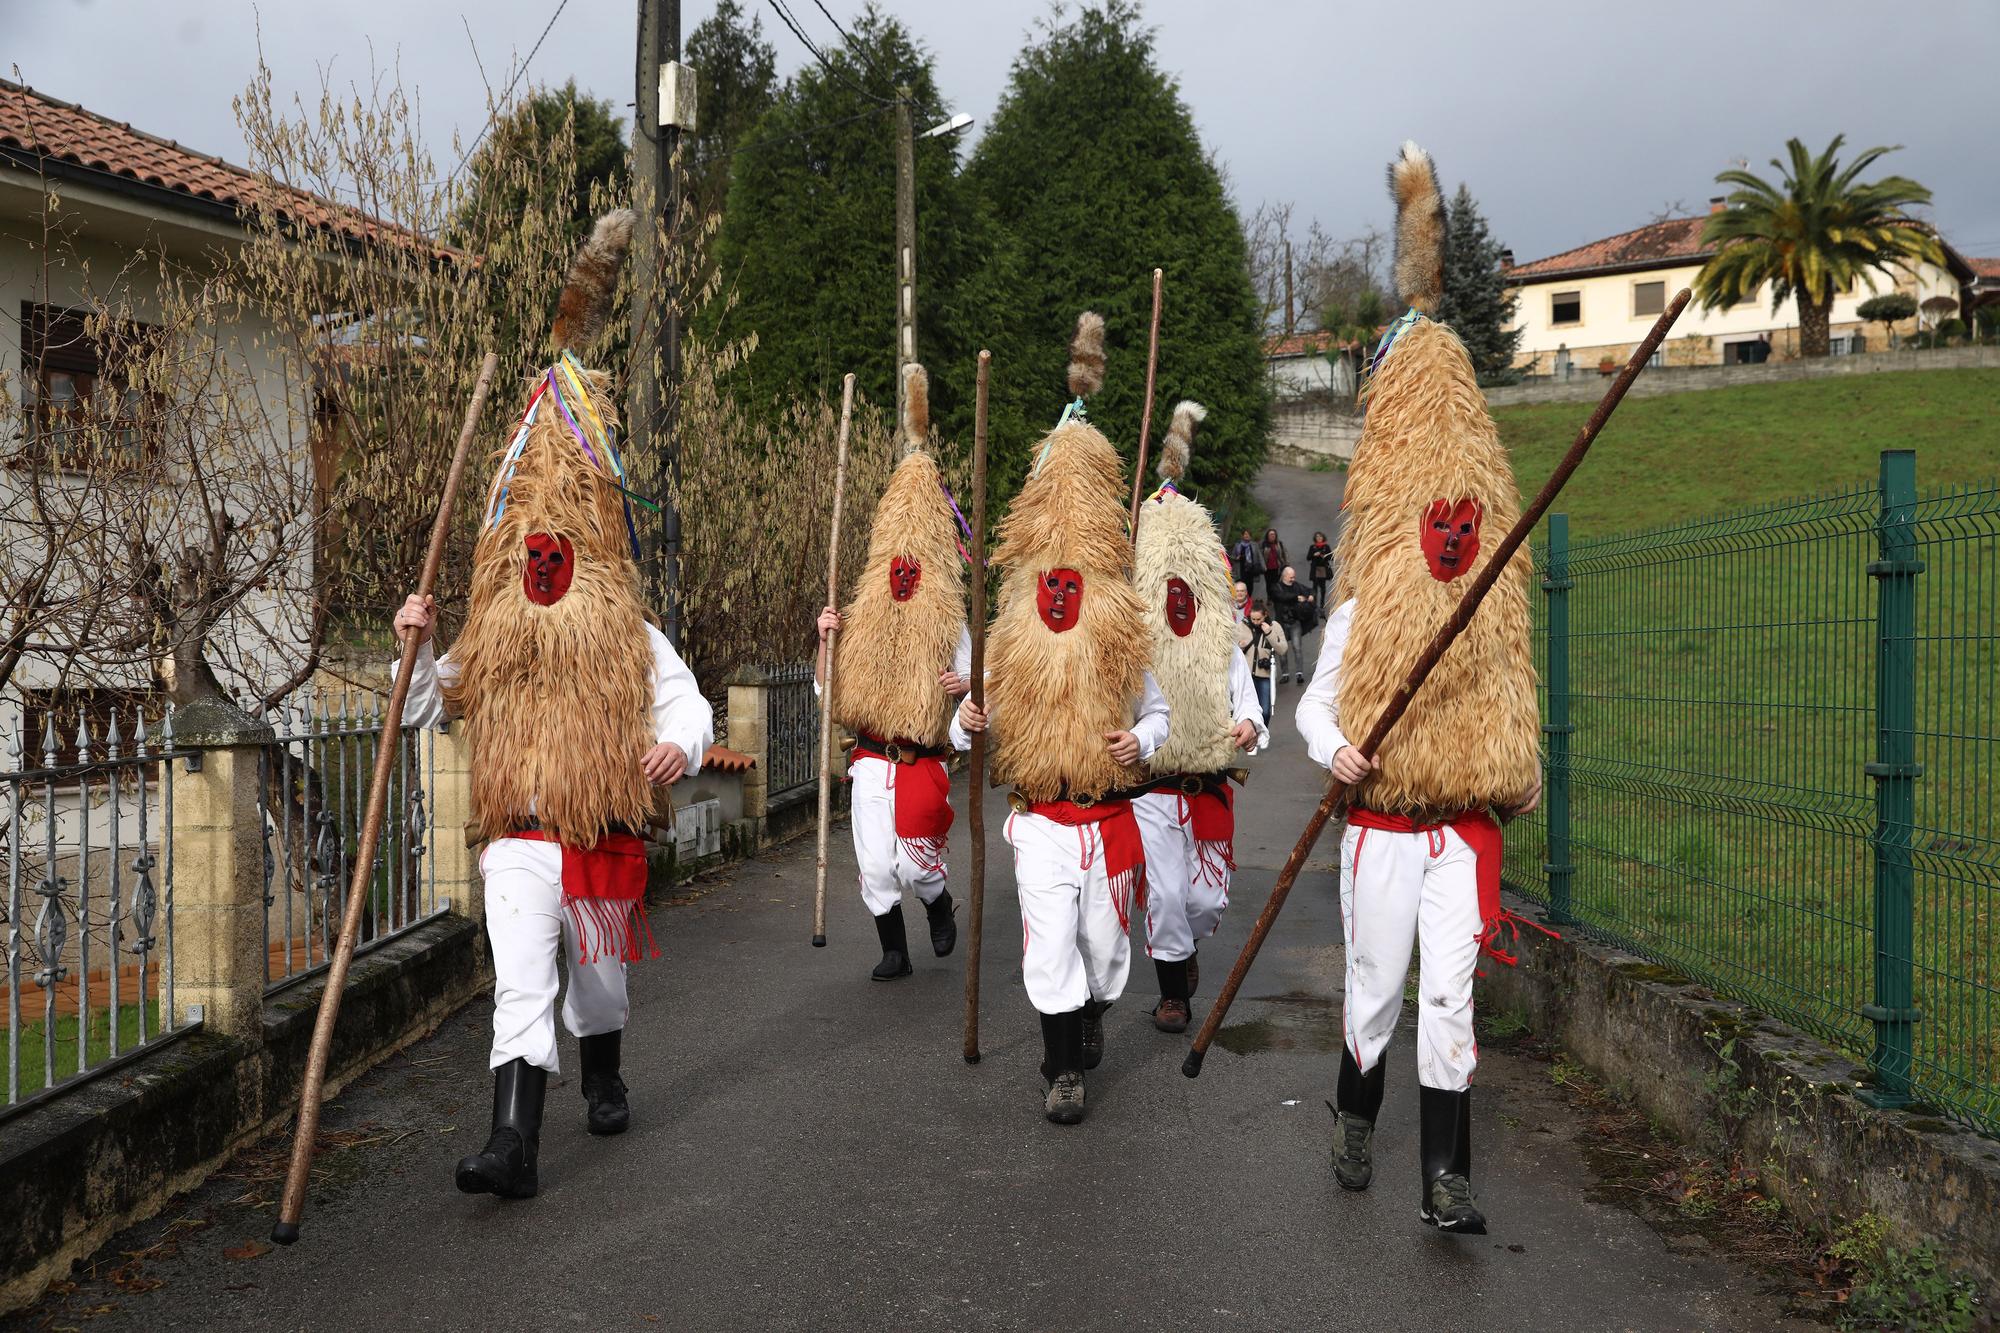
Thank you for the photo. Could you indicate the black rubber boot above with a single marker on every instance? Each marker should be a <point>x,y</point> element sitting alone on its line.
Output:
<point>603,1089</point>
<point>1194,973</point>
<point>1062,1066</point>
<point>506,1165</point>
<point>1447,1156</point>
<point>1093,1032</point>
<point>895,946</point>
<point>1358,1102</point>
<point>944,930</point>
<point>1171,1013</point>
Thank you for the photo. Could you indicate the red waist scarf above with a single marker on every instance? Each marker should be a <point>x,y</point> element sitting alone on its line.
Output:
<point>921,792</point>
<point>1124,849</point>
<point>1481,832</point>
<point>604,892</point>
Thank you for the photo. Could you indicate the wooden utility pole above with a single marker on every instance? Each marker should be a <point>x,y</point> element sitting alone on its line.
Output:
<point>906,239</point>
<point>656,312</point>
<point>1289,325</point>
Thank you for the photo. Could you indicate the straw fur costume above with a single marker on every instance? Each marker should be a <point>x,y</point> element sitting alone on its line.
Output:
<point>566,691</point>
<point>1187,817</point>
<point>903,626</point>
<point>1066,666</point>
<point>1429,495</point>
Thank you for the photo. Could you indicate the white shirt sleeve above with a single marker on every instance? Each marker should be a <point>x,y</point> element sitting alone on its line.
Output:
<point>1151,717</point>
<point>961,660</point>
<point>680,715</point>
<point>1319,706</point>
<point>424,705</point>
<point>961,739</point>
<point>1243,705</point>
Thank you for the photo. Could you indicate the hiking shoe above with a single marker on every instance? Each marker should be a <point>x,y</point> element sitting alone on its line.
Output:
<point>1353,1164</point>
<point>1448,1206</point>
<point>1170,1015</point>
<point>1065,1100</point>
<point>1093,1033</point>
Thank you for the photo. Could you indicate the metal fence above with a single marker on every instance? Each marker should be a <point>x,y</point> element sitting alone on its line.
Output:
<point>792,729</point>
<point>312,794</point>
<point>89,907</point>
<point>1773,739</point>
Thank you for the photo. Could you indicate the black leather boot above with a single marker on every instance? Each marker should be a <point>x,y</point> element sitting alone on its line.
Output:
<point>895,946</point>
<point>1171,1013</point>
<point>1062,1066</point>
<point>1447,1155</point>
<point>1357,1103</point>
<point>1194,973</point>
<point>506,1165</point>
<point>603,1089</point>
<point>944,930</point>
<point>1093,1032</point>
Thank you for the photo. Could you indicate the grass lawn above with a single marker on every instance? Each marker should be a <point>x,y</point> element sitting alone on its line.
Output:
<point>1722,690</point>
<point>34,1054</point>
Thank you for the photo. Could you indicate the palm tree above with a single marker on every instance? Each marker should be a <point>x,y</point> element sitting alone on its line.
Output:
<point>1816,234</point>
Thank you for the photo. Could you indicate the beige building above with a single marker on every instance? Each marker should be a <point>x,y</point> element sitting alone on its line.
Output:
<point>1592,304</point>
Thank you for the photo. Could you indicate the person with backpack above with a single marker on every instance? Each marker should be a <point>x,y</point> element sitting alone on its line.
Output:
<point>1263,642</point>
<point>1297,616</point>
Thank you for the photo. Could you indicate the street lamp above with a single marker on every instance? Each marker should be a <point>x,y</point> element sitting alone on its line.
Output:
<point>906,228</point>
<point>952,126</point>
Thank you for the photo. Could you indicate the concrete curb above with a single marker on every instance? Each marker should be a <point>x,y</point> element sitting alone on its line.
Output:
<point>1719,1073</point>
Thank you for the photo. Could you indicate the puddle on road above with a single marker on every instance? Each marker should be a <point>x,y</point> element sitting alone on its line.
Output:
<point>1294,1021</point>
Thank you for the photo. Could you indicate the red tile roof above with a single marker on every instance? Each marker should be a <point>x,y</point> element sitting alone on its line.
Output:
<point>1984,268</point>
<point>1302,344</point>
<point>35,126</point>
<point>722,759</point>
<point>1666,244</point>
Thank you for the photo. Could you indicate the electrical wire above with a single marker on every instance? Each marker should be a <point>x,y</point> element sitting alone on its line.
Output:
<point>928,108</point>
<point>514,83</point>
<point>785,16</point>
<point>796,134</point>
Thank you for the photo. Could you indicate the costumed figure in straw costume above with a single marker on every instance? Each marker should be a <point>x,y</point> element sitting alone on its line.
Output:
<point>1420,858</point>
<point>903,653</point>
<point>1074,714</point>
<point>577,712</point>
<point>1186,810</point>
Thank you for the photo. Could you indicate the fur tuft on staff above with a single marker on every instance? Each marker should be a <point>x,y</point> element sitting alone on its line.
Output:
<point>916,408</point>
<point>1086,355</point>
<point>585,305</point>
<point>1174,450</point>
<point>1420,226</point>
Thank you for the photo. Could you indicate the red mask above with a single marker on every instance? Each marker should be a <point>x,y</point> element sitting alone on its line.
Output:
<point>1450,536</point>
<point>1059,599</point>
<point>1180,608</point>
<point>903,576</point>
<point>545,574</point>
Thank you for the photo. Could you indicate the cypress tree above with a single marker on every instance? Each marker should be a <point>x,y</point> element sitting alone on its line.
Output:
<point>1477,304</point>
<point>1093,168</point>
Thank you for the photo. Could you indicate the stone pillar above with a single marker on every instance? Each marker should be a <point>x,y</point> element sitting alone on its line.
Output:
<point>218,886</point>
<point>457,865</point>
<point>749,733</point>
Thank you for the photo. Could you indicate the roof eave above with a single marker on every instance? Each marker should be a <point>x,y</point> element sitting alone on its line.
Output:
<point>1514,277</point>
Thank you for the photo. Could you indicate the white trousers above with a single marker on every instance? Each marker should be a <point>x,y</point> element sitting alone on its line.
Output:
<point>886,865</point>
<point>527,925</point>
<point>1074,942</point>
<point>1399,889</point>
<point>1183,902</point>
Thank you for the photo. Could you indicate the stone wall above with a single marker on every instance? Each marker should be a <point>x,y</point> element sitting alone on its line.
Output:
<point>1587,386</point>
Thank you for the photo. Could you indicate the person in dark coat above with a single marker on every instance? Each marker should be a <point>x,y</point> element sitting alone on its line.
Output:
<point>1244,561</point>
<point>1272,558</point>
<point>1295,609</point>
<point>1319,563</point>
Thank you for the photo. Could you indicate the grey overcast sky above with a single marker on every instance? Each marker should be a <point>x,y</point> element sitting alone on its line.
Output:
<point>1568,122</point>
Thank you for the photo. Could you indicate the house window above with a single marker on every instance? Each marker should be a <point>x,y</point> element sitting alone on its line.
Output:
<point>1566,308</point>
<point>70,709</point>
<point>1648,298</point>
<point>1748,299</point>
<point>80,413</point>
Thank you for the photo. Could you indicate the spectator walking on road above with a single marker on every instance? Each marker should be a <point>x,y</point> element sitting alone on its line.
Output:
<point>1240,603</point>
<point>1319,562</point>
<point>1263,643</point>
<point>1273,559</point>
<point>1297,617</point>
<point>1244,561</point>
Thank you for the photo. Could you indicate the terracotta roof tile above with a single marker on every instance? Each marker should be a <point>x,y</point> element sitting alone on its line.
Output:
<point>1302,344</point>
<point>37,125</point>
<point>1984,268</point>
<point>722,759</point>
<point>1658,244</point>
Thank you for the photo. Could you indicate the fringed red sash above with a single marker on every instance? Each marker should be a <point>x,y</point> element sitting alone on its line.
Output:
<point>1481,832</point>
<point>923,810</point>
<point>1211,816</point>
<point>1124,848</point>
<point>604,892</point>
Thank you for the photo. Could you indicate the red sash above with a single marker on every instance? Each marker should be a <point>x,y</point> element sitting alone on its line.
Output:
<point>604,892</point>
<point>1481,832</point>
<point>921,792</point>
<point>1124,848</point>
<point>1211,817</point>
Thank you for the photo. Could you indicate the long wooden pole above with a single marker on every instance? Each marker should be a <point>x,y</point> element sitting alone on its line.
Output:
<point>1146,411</point>
<point>975,783</point>
<point>1337,794</point>
<point>286,1229</point>
<point>826,685</point>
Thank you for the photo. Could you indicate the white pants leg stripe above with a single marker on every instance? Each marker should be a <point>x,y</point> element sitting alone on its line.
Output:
<point>1183,906</point>
<point>886,866</point>
<point>1395,890</point>
<point>527,925</point>
<point>1074,947</point>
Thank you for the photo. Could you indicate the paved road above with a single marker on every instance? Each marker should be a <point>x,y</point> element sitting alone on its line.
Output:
<point>809,1151</point>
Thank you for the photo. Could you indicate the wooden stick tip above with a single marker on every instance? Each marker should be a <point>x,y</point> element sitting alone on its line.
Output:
<point>972,1057</point>
<point>285,1233</point>
<point>819,941</point>
<point>1192,1065</point>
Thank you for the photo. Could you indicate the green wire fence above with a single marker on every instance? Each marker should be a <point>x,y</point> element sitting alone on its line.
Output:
<point>1773,740</point>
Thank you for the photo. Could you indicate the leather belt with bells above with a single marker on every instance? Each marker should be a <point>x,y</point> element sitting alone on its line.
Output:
<point>896,752</point>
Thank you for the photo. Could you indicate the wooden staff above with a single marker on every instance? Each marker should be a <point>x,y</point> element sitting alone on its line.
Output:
<point>1146,412</point>
<point>1338,795</point>
<point>286,1229</point>
<point>976,771</point>
<point>826,685</point>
